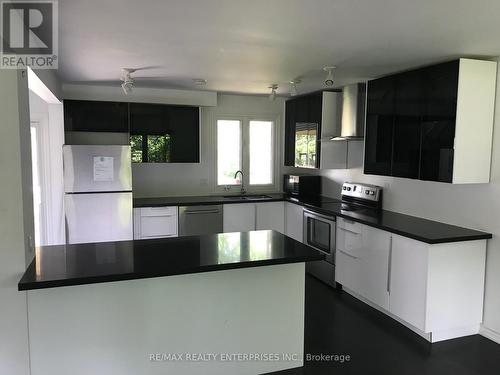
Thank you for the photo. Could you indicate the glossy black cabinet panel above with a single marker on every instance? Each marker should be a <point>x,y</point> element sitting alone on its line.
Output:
<point>380,126</point>
<point>407,121</point>
<point>184,126</point>
<point>289,143</point>
<point>438,121</point>
<point>168,134</point>
<point>299,113</point>
<point>94,116</point>
<point>410,121</point>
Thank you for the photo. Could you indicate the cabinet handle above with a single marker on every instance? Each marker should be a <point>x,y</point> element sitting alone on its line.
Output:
<point>201,212</point>
<point>158,215</point>
<point>349,255</point>
<point>350,231</point>
<point>389,268</point>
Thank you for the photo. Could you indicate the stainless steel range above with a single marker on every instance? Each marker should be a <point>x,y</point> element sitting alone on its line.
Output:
<point>320,229</point>
<point>356,196</point>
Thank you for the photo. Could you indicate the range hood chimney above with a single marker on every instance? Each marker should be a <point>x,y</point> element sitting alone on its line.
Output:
<point>353,112</point>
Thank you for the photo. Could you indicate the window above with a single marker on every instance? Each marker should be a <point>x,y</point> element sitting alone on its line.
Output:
<point>246,145</point>
<point>150,148</point>
<point>261,152</point>
<point>228,151</point>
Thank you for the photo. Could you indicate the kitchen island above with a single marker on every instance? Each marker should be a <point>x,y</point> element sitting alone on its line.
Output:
<point>218,304</point>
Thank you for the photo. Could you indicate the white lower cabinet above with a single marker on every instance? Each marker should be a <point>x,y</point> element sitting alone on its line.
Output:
<point>408,280</point>
<point>155,222</point>
<point>363,260</point>
<point>270,215</point>
<point>435,289</point>
<point>294,226</point>
<point>239,217</point>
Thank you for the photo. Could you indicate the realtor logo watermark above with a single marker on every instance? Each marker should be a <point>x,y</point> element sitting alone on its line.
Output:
<point>29,34</point>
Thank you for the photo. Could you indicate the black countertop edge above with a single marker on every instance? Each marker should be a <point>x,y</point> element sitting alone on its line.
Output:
<point>440,233</point>
<point>91,263</point>
<point>24,286</point>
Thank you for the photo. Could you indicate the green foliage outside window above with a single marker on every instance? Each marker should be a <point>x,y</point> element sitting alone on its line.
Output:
<point>150,148</point>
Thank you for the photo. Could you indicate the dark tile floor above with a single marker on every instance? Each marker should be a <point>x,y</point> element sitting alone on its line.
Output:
<point>337,323</point>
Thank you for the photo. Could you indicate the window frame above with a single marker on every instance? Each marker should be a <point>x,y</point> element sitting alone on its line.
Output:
<point>245,153</point>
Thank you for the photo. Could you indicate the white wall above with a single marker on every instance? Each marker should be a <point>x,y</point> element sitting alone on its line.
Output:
<point>151,180</point>
<point>51,118</point>
<point>16,220</point>
<point>474,206</point>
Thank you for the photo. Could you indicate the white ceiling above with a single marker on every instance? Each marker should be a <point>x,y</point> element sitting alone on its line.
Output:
<point>245,45</point>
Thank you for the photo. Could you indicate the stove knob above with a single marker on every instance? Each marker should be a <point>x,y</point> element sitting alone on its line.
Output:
<point>348,189</point>
<point>344,188</point>
<point>372,192</point>
<point>367,192</point>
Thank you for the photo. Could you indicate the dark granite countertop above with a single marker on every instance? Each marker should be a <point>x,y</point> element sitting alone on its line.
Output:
<point>420,229</point>
<point>78,264</point>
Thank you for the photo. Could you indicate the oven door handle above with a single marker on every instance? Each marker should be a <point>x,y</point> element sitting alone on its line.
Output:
<point>319,216</point>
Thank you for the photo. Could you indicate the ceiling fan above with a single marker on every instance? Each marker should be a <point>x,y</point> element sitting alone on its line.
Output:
<point>129,81</point>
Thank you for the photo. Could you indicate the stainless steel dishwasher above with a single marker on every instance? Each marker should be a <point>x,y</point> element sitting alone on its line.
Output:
<point>195,220</point>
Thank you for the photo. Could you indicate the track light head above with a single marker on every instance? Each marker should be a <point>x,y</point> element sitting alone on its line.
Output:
<point>329,75</point>
<point>272,95</point>
<point>293,87</point>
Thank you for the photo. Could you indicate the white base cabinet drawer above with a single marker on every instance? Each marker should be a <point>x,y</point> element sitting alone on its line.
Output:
<point>363,260</point>
<point>155,222</point>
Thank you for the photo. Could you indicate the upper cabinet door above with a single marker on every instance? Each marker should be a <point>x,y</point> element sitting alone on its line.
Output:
<point>184,125</point>
<point>407,124</point>
<point>379,126</point>
<point>94,116</point>
<point>290,110</point>
<point>302,131</point>
<point>438,121</point>
<point>164,133</point>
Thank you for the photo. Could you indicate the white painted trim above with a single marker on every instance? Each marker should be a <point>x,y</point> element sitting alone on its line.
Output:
<point>140,95</point>
<point>36,85</point>
<point>489,334</point>
<point>454,333</point>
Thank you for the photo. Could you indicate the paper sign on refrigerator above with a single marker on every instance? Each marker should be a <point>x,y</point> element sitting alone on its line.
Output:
<point>103,168</point>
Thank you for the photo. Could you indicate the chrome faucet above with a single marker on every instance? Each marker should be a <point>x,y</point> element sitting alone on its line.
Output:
<point>243,191</point>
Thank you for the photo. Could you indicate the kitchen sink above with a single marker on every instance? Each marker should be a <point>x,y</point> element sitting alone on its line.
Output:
<point>247,197</point>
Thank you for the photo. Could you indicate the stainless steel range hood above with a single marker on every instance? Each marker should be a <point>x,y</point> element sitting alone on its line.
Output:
<point>353,113</point>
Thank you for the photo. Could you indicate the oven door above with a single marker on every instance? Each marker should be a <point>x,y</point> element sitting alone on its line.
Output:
<point>319,233</point>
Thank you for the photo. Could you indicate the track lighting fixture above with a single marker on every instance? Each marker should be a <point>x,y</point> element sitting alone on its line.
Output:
<point>293,87</point>
<point>329,75</point>
<point>272,95</point>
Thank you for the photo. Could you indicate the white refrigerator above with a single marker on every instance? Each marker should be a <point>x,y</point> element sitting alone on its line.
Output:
<point>98,193</point>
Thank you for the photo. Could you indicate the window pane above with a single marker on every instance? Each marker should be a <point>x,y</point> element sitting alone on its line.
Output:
<point>228,151</point>
<point>136,146</point>
<point>261,152</point>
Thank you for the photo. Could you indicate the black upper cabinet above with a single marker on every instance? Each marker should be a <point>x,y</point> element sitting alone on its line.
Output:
<point>380,126</point>
<point>407,132</point>
<point>167,133</point>
<point>94,116</point>
<point>184,126</point>
<point>300,114</point>
<point>290,111</point>
<point>410,125</point>
<point>438,122</point>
